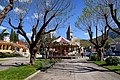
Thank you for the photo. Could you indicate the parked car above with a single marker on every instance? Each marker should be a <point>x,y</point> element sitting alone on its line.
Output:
<point>87,54</point>
<point>114,53</point>
<point>90,53</point>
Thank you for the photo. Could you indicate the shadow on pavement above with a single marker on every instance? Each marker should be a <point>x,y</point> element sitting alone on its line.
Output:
<point>13,65</point>
<point>78,68</point>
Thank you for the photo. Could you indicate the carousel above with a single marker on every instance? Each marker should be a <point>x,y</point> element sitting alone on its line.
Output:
<point>63,46</point>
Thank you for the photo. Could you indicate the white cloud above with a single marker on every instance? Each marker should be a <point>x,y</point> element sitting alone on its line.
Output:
<point>21,37</point>
<point>24,0</point>
<point>28,1</point>
<point>1,7</point>
<point>94,36</point>
<point>18,10</point>
<point>54,32</point>
<point>48,3</point>
<point>29,34</point>
<point>1,27</point>
<point>27,18</point>
<point>36,15</point>
<point>86,34</point>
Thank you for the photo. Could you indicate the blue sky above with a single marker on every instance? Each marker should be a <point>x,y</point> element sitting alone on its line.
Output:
<point>79,5</point>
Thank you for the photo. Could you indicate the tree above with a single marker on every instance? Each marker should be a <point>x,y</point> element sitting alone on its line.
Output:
<point>114,7</point>
<point>16,37</point>
<point>2,34</point>
<point>110,10</point>
<point>85,43</point>
<point>47,13</point>
<point>6,10</point>
<point>12,35</point>
<point>93,24</point>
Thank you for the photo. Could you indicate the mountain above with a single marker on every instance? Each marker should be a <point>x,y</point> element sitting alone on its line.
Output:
<point>113,35</point>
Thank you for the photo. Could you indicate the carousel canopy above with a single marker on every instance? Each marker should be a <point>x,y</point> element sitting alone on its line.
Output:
<point>64,41</point>
<point>61,40</point>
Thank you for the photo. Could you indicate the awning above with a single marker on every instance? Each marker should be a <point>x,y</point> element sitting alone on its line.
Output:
<point>61,40</point>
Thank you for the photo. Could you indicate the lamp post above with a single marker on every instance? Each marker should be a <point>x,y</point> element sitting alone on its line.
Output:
<point>90,48</point>
<point>44,51</point>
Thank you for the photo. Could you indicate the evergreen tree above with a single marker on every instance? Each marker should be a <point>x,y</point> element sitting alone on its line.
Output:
<point>15,37</point>
<point>2,34</point>
<point>12,35</point>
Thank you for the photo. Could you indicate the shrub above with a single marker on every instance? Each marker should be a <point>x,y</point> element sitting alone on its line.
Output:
<point>59,59</point>
<point>52,61</point>
<point>108,60</point>
<point>4,55</point>
<point>112,60</point>
<point>93,57</point>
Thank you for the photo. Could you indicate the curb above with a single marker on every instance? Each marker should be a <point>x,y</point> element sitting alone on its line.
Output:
<point>32,75</point>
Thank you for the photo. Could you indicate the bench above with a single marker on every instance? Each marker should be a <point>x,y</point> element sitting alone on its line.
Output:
<point>46,65</point>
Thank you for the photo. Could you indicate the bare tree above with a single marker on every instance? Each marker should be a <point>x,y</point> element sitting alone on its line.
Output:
<point>110,11</point>
<point>114,7</point>
<point>6,10</point>
<point>91,23</point>
<point>46,12</point>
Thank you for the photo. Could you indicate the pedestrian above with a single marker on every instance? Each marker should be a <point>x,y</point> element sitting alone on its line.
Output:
<point>82,55</point>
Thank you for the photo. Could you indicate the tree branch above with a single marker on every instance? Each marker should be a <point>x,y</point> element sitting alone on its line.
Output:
<point>43,27</point>
<point>91,36</point>
<point>110,26</point>
<point>97,36</point>
<point>102,33</point>
<point>105,38</point>
<point>46,12</point>
<point>10,23</point>
<point>52,30</point>
<point>33,34</point>
<point>114,15</point>
<point>90,32</point>
<point>34,30</point>
<point>24,35</point>
<point>6,10</point>
<point>20,29</point>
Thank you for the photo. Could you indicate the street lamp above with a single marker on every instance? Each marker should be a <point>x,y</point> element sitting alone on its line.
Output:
<point>90,48</point>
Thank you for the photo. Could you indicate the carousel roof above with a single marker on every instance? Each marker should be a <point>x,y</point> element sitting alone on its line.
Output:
<point>66,41</point>
<point>61,40</point>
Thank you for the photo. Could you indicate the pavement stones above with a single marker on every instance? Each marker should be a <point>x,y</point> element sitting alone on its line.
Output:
<point>76,69</point>
<point>12,62</point>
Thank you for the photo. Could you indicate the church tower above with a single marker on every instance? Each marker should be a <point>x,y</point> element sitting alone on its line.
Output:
<point>69,33</point>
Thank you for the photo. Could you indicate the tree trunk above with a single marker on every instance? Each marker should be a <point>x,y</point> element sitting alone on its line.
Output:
<point>32,56</point>
<point>100,55</point>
